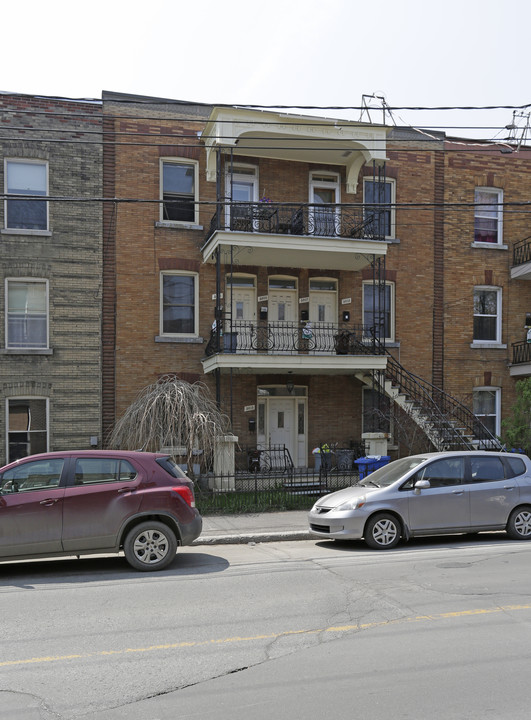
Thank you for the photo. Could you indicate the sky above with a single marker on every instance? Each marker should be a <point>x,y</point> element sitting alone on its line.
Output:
<point>281,52</point>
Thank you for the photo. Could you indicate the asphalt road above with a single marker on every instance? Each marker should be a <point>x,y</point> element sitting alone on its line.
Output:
<point>435,629</point>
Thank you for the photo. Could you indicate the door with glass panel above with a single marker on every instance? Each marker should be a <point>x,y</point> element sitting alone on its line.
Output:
<point>324,214</point>
<point>240,322</point>
<point>242,189</point>
<point>282,314</point>
<point>282,424</point>
<point>323,314</point>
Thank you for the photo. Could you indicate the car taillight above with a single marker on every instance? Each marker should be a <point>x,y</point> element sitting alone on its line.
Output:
<point>186,493</point>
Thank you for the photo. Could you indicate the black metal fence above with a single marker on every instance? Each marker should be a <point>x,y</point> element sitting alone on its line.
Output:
<point>287,489</point>
<point>288,219</point>
<point>292,338</point>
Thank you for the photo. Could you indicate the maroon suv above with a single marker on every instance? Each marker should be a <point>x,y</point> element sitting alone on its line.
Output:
<point>97,501</point>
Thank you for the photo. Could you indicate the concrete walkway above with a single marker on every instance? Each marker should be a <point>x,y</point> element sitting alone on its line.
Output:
<point>254,527</point>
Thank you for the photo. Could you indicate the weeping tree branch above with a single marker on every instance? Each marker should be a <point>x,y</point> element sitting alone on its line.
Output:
<point>170,414</point>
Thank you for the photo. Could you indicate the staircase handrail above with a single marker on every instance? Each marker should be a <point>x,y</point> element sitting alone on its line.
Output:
<point>447,408</point>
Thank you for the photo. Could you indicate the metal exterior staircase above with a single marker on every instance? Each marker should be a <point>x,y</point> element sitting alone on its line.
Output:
<point>448,423</point>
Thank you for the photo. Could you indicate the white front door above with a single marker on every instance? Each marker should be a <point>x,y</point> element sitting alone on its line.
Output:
<point>240,326</point>
<point>323,318</point>
<point>282,319</point>
<point>282,421</point>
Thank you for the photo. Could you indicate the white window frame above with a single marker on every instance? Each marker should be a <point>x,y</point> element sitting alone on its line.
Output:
<point>181,273</point>
<point>179,161</point>
<point>26,280</point>
<point>26,161</point>
<point>26,397</point>
<point>497,341</point>
<point>498,199</point>
<point>391,285</point>
<point>497,411</point>
<point>387,207</point>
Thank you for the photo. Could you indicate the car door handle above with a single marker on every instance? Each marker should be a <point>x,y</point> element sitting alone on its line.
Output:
<point>124,490</point>
<point>49,502</point>
<point>457,492</point>
<point>508,487</point>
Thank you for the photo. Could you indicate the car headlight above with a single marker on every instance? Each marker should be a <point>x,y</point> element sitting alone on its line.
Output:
<point>353,504</point>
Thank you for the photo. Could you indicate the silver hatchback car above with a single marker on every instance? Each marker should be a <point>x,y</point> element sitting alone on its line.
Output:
<point>431,494</point>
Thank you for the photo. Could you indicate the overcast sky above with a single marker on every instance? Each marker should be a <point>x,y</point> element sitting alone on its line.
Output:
<point>278,52</point>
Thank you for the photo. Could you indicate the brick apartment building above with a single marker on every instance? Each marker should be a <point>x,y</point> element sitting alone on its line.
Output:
<point>305,269</point>
<point>50,271</point>
<point>296,265</point>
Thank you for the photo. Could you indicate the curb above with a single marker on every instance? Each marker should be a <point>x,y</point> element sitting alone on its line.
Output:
<point>252,538</point>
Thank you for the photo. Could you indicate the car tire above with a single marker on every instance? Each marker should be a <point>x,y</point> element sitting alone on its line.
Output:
<point>150,546</point>
<point>519,524</point>
<point>383,532</point>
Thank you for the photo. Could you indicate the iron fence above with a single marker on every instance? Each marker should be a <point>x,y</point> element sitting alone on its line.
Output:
<point>289,219</point>
<point>293,338</point>
<point>289,489</point>
<point>522,251</point>
<point>521,352</point>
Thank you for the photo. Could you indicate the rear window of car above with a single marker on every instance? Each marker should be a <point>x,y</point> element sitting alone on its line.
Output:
<point>515,466</point>
<point>171,467</point>
<point>486,469</point>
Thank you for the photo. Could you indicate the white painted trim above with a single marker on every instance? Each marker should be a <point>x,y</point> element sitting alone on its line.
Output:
<point>28,161</point>
<point>26,397</point>
<point>179,161</point>
<point>28,280</point>
<point>182,273</point>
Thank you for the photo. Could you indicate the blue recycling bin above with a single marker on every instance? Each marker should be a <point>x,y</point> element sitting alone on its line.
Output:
<point>370,463</point>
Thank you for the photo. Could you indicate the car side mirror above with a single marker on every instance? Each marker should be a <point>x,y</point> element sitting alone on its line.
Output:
<point>421,485</point>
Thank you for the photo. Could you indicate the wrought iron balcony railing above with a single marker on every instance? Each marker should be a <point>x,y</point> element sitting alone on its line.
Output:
<point>293,338</point>
<point>522,251</point>
<point>287,219</point>
<point>521,352</point>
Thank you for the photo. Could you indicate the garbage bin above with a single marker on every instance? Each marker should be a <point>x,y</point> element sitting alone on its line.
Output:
<point>253,460</point>
<point>370,463</point>
<point>344,459</point>
<point>316,452</point>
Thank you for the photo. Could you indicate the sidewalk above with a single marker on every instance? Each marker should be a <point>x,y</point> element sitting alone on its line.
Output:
<point>254,527</point>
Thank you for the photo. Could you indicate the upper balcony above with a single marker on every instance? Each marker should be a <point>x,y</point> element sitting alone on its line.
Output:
<point>336,237</point>
<point>522,260</point>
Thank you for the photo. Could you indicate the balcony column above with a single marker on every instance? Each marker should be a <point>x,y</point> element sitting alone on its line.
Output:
<point>224,463</point>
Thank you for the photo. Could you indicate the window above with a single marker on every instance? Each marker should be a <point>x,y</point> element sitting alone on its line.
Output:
<point>488,215</point>
<point>25,177</point>
<point>37,475</point>
<point>375,195</point>
<point>179,189</point>
<point>90,471</point>
<point>443,473</point>
<point>486,469</point>
<point>179,303</point>
<point>27,313</point>
<point>27,424</point>
<point>486,407</point>
<point>378,310</point>
<point>487,314</point>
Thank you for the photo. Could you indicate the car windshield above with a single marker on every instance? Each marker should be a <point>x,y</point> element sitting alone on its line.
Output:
<point>388,474</point>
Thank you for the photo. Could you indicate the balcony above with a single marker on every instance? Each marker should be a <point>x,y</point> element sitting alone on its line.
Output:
<point>522,260</point>
<point>521,359</point>
<point>304,348</point>
<point>338,237</point>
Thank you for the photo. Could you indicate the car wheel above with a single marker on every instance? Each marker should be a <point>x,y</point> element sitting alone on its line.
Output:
<point>383,532</point>
<point>150,546</point>
<point>519,525</point>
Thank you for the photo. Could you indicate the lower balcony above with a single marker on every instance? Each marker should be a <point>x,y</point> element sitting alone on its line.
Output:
<point>299,347</point>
